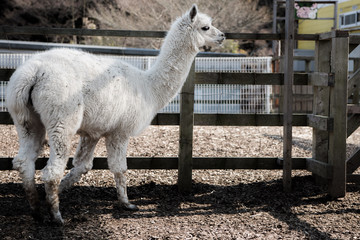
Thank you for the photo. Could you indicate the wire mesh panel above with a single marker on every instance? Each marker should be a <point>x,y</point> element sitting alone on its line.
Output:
<point>209,98</point>
<point>233,64</point>
<point>234,98</point>
<point>13,60</point>
<point>2,96</point>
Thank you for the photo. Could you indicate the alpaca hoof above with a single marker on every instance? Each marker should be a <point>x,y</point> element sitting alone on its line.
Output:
<point>129,206</point>
<point>57,219</point>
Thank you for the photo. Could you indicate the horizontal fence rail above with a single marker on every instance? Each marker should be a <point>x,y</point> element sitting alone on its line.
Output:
<point>172,163</point>
<point>173,119</point>
<point>15,30</point>
<point>10,30</point>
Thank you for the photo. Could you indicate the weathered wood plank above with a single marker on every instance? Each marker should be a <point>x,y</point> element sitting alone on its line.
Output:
<point>313,37</point>
<point>318,1</point>
<point>353,178</point>
<point>354,39</point>
<point>288,94</point>
<point>247,119</point>
<point>321,79</point>
<point>321,104</point>
<point>166,119</point>
<point>319,168</point>
<point>353,82</point>
<point>186,132</point>
<point>14,30</point>
<point>212,119</point>
<point>334,34</point>
<point>11,30</point>
<point>353,108</point>
<point>5,118</point>
<point>353,123</point>
<point>352,47</point>
<point>234,163</point>
<point>43,46</point>
<point>353,162</point>
<point>5,74</point>
<point>7,30</point>
<point>297,163</point>
<point>172,163</point>
<point>338,111</point>
<point>249,78</point>
<point>254,36</point>
<point>224,78</point>
<point>323,123</point>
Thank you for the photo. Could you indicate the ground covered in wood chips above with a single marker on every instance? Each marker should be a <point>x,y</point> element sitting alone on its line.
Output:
<point>223,204</point>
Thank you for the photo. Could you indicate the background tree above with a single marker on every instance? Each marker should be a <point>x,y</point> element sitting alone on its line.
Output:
<point>229,16</point>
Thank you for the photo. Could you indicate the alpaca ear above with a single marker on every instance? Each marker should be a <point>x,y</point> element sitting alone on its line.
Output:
<point>193,12</point>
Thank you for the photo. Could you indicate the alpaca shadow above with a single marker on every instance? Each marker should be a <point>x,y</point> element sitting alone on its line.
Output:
<point>16,221</point>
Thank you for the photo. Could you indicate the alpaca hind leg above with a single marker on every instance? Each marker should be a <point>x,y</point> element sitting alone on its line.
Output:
<point>116,148</point>
<point>83,162</point>
<point>59,140</point>
<point>31,140</point>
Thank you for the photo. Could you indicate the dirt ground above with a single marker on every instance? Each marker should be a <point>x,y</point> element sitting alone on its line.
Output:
<point>223,204</point>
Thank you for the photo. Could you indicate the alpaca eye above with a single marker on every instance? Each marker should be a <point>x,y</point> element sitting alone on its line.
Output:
<point>205,28</point>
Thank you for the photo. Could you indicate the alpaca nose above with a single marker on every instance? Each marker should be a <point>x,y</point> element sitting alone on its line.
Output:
<point>222,35</point>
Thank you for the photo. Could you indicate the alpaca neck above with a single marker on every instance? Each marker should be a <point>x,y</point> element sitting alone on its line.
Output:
<point>172,66</point>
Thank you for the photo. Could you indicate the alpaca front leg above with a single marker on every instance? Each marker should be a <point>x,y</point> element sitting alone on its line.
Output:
<point>121,188</point>
<point>116,147</point>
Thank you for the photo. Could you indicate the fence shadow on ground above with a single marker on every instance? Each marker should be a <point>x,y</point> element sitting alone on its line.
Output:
<point>306,144</point>
<point>301,143</point>
<point>83,205</point>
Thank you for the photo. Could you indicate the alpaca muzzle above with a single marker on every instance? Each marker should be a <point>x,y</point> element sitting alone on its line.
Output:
<point>222,39</point>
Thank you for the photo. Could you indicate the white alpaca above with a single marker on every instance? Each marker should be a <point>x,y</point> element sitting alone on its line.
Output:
<point>64,92</point>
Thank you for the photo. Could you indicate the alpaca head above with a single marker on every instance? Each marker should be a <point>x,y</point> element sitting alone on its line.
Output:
<point>201,29</point>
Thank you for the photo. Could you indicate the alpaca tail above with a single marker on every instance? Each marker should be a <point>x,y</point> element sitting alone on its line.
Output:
<point>18,94</point>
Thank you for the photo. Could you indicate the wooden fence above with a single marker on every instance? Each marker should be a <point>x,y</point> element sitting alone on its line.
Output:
<point>329,119</point>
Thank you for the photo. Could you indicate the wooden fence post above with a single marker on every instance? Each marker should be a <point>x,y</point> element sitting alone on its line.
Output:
<point>338,111</point>
<point>288,94</point>
<point>321,105</point>
<point>186,132</point>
